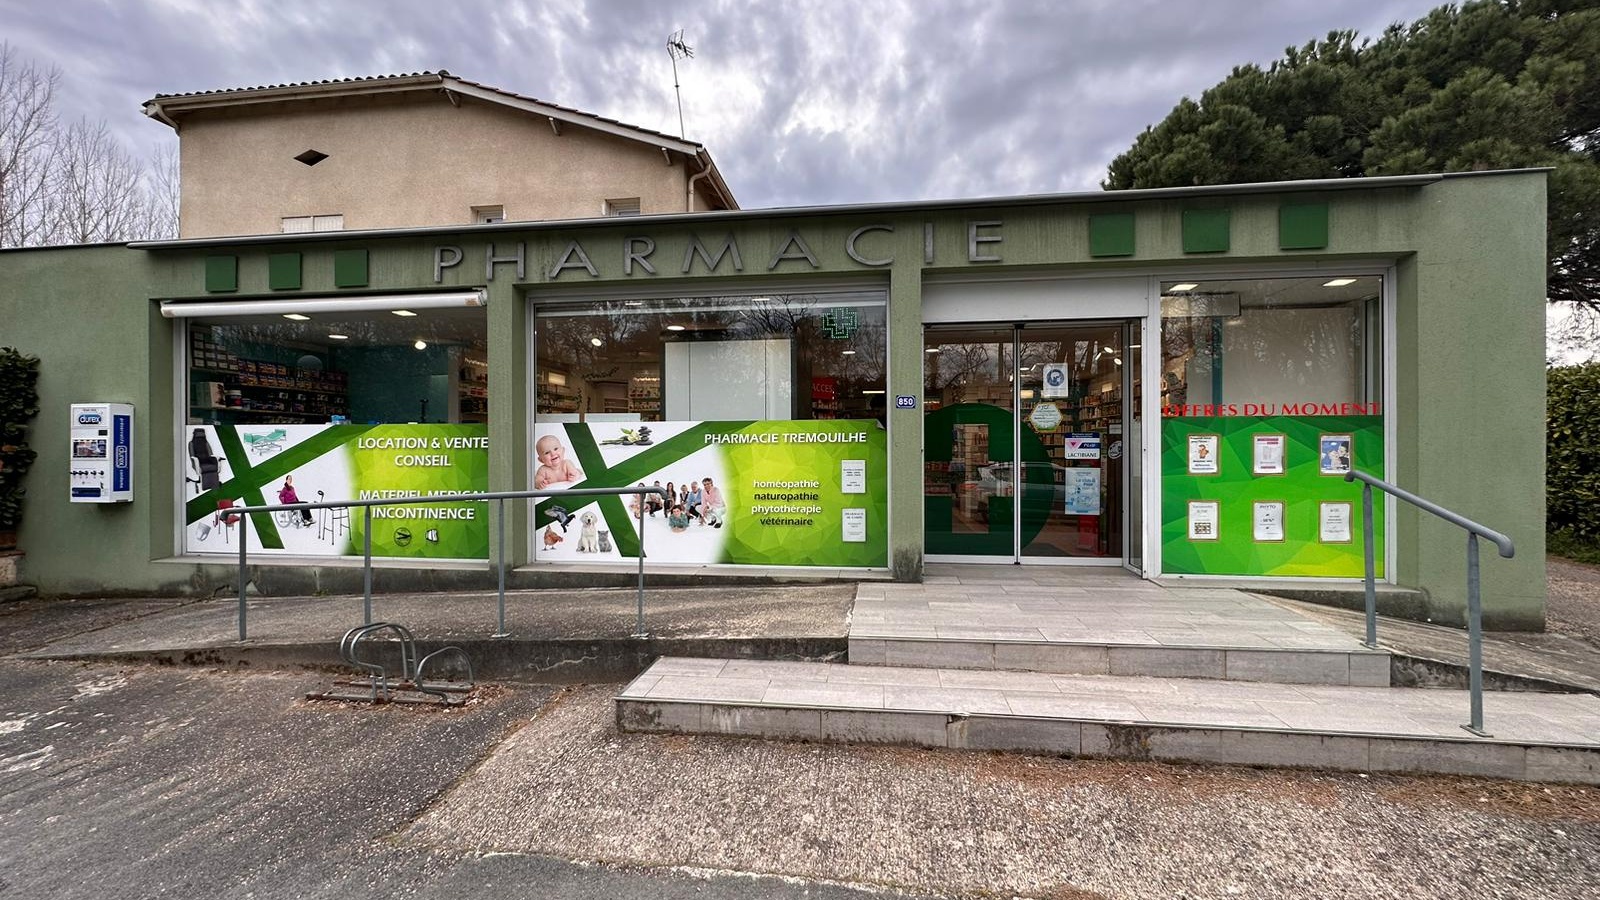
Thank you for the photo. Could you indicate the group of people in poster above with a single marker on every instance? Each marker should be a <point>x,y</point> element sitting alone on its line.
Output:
<point>694,502</point>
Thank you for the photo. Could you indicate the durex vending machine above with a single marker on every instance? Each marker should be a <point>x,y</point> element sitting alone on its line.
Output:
<point>102,453</point>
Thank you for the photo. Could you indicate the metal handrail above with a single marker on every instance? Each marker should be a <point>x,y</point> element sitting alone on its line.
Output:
<point>500,558</point>
<point>1474,600</point>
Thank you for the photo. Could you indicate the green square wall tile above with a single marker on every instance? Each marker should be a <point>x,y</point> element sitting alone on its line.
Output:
<point>1111,235</point>
<point>222,273</point>
<point>283,271</point>
<point>1205,231</point>
<point>349,268</point>
<point>1303,226</point>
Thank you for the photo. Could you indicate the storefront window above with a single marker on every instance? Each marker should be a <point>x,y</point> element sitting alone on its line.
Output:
<point>1271,390</point>
<point>1256,347</point>
<point>387,366</point>
<point>760,418</point>
<point>777,356</point>
<point>380,403</point>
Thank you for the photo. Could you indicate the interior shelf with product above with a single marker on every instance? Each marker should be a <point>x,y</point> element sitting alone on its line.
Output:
<point>249,374</point>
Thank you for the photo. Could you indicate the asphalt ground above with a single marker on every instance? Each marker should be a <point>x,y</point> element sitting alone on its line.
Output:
<point>140,782</point>
<point>722,612</point>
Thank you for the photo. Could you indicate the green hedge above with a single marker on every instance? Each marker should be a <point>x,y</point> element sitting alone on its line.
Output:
<point>1573,473</point>
<point>19,403</point>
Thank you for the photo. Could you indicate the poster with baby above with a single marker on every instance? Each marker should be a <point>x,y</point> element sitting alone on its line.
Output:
<point>755,493</point>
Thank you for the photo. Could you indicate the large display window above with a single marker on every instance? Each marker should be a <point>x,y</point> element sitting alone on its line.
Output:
<point>761,416</point>
<point>387,401</point>
<point>1271,390</point>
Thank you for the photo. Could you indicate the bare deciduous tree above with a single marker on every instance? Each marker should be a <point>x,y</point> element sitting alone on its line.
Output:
<point>27,145</point>
<point>73,184</point>
<point>96,189</point>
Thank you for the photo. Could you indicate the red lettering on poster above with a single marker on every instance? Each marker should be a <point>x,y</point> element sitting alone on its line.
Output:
<point>1213,410</point>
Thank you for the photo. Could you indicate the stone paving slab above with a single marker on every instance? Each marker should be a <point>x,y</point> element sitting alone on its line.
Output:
<point>1323,709</point>
<point>1552,737</point>
<point>1087,606</point>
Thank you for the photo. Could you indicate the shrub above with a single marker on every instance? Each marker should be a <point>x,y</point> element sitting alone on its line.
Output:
<point>19,403</point>
<point>1572,482</point>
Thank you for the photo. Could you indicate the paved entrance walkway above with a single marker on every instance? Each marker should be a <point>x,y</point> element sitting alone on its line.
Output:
<point>1041,604</point>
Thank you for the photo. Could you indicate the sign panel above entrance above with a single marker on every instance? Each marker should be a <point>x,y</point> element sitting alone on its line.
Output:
<point>1035,300</point>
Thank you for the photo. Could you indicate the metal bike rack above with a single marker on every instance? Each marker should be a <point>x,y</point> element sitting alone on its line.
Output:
<point>384,689</point>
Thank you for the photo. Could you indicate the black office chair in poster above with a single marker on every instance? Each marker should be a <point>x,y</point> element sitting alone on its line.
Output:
<point>203,463</point>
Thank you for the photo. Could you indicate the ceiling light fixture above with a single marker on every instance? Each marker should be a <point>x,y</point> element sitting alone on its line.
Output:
<point>297,317</point>
<point>674,327</point>
<point>847,353</point>
<point>872,392</point>
<point>597,342</point>
<point>1186,286</point>
<point>420,344</point>
<point>339,337</point>
<point>1339,282</point>
<point>403,312</point>
<point>931,350</point>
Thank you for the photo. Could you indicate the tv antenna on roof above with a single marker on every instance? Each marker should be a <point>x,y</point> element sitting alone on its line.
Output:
<point>677,49</point>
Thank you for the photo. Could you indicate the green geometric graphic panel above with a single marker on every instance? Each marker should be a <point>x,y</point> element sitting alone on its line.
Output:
<point>1301,488</point>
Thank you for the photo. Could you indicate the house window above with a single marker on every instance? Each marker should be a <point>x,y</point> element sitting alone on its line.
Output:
<point>626,206</point>
<point>304,224</point>
<point>488,215</point>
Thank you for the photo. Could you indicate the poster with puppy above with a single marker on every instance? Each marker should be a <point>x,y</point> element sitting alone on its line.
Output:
<point>715,492</point>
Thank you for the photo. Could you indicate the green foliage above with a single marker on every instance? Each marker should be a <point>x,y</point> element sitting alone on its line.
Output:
<point>1572,479</point>
<point>1489,85</point>
<point>1563,544</point>
<point>19,403</point>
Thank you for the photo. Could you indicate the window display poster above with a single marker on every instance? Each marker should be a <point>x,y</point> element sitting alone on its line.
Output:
<point>1082,489</point>
<point>261,465</point>
<point>1333,453</point>
<point>1204,516</point>
<point>1203,454</point>
<point>1081,446</point>
<point>1249,518</point>
<point>853,476</point>
<point>1055,385</point>
<point>1335,523</point>
<point>1268,456</point>
<point>1268,521</point>
<point>767,493</point>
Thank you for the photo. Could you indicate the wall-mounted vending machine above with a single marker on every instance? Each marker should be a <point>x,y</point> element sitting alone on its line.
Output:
<point>102,453</point>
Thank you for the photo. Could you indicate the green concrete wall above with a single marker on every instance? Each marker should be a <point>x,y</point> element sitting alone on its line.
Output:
<point>1469,261</point>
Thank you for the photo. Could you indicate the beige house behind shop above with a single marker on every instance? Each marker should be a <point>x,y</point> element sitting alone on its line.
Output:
<point>427,149</point>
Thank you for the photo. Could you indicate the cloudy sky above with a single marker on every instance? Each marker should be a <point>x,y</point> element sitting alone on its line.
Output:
<point>801,103</point>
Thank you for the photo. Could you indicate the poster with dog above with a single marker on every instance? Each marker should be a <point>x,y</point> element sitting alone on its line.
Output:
<point>753,492</point>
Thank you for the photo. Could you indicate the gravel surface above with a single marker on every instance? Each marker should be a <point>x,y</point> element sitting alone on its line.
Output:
<point>980,824</point>
<point>1574,606</point>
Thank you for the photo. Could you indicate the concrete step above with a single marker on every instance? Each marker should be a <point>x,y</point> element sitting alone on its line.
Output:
<point>1537,737</point>
<point>1356,666</point>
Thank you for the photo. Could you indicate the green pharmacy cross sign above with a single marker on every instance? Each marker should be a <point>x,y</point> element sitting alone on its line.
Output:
<point>840,324</point>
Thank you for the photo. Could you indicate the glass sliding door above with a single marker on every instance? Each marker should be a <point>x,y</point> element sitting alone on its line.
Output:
<point>969,439</point>
<point>1027,433</point>
<point>1132,447</point>
<point>1071,395</point>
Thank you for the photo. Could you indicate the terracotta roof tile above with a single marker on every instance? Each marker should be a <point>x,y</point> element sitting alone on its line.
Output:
<point>442,74</point>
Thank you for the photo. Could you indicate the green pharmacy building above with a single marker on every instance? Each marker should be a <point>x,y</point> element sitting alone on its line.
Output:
<point>1171,381</point>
